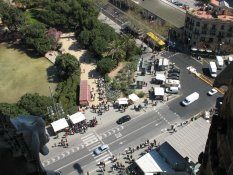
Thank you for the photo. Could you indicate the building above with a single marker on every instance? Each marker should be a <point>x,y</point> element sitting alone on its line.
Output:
<point>209,27</point>
<point>84,93</point>
<point>179,154</point>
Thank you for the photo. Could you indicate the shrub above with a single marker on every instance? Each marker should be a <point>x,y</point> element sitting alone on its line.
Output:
<point>105,65</point>
<point>141,94</point>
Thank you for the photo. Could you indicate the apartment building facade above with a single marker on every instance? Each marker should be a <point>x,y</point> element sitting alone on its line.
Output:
<point>209,28</point>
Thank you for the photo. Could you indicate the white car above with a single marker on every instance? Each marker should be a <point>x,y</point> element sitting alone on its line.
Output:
<point>212,92</point>
<point>101,149</point>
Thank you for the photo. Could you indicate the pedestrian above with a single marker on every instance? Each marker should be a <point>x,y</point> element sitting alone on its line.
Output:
<point>67,145</point>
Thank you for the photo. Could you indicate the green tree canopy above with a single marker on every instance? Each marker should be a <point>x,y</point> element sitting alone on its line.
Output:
<point>105,65</point>
<point>67,64</point>
<point>13,18</point>
<point>12,110</point>
<point>35,104</point>
<point>35,36</point>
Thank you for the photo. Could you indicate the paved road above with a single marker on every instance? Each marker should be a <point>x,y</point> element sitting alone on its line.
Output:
<point>190,84</point>
<point>138,130</point>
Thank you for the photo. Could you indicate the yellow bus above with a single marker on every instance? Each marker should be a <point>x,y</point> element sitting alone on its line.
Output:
<point>156,40</point>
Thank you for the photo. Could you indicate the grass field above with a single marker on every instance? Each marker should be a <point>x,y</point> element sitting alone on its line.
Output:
<point>21,74</point>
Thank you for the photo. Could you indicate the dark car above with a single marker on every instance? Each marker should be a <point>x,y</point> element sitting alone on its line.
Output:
<point>173,77</point>
<point>123,119</point>
<point>173,74</point>
<point>174,71</point>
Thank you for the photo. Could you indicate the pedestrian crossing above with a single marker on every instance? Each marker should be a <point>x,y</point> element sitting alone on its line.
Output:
<point>93,141</point>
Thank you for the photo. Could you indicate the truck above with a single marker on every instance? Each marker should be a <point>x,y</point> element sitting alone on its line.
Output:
<point>213,69</point>
<point>219,62</point>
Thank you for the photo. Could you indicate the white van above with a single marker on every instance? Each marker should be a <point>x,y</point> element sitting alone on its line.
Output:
<point>219,62</point>
<point>191,98</point>
<point>172,90</point>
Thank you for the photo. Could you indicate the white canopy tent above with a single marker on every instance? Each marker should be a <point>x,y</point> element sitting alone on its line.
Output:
<point>158,91</point>
<point>122,101</point>
<point>160,77</point>
<point>77,117</point>
<point>59,124</point>
<point>133,97</point>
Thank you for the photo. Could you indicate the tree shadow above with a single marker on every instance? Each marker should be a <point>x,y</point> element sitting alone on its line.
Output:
<point>52,74</point>
<point>78,168</point>
<point>93,74</point>
<point>24,50</point>
<point>86,58</point>
<point>75,46</point>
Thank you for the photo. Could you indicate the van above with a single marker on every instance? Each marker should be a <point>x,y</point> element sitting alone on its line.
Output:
<point>172,90</point>
<point>219,62</point>
<point>190,99</point>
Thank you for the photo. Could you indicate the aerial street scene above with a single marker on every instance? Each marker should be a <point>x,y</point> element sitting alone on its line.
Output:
<point>124,87</point>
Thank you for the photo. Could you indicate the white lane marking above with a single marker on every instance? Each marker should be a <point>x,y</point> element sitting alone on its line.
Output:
<point>73,162</point>
<point>94,147</point>
<point>86,136</point>
<point>158,123</point>
<point>118,135</point>
<point>102,158</point>
<point>89,138</point>
<point>90,142</point>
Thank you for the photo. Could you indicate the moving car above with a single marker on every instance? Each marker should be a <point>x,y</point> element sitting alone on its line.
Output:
<point>101,149</point>
<point>174,70</point>
<point>174,74</point>
<point>212,92</point>
<point>190,99</point>
<point>123,119</point>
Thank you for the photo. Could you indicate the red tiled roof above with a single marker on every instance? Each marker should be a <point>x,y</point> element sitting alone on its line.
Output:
<point>84,93</point>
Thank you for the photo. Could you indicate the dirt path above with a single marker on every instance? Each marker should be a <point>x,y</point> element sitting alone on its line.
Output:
<point>116,70</point>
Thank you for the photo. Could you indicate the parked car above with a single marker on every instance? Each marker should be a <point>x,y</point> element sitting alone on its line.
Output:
<point>174,70</point>
<point>172,90</point>
<point>123,119</point>
<point>174,74</point>
<point>173,77</point>
<point>212,92</point>
<point>101,149</point>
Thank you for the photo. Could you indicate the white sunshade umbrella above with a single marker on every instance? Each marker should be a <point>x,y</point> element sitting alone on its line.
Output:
<point>194,49</point>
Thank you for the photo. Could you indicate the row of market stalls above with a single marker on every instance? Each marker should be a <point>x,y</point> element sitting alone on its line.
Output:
<point>84,93</point>
<point>126,101</point>
<point>62,123</point>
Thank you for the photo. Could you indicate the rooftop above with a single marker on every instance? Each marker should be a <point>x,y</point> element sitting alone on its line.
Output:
<point>207,15</point>
<point>190,141</point>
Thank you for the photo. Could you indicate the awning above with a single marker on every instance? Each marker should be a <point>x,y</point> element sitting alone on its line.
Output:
<point>77,117</point>
<point>159,91</point>
<point>59,124</point>
<point>133,97</point>
<point>85,95</point>
<point>209,51</point>
<point>122,101</point>
<point>165,62</point>
<point>160,77</point>
<point>201,50</point>
<point>152,162</point>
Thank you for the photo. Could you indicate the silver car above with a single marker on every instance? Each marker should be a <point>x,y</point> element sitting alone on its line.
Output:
<point>101,149</point>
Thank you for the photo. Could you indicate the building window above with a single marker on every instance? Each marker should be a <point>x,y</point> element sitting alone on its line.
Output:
<point>197,24</point>
<point>213,26</point>
<point>205,26</point>
<point>222,27</point>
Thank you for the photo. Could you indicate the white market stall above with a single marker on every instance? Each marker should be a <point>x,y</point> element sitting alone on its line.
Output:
<point>122,101</point>
<point>59,124</point>
<point>77,117</point>
<point>133,97</point>
<point>159,92</point>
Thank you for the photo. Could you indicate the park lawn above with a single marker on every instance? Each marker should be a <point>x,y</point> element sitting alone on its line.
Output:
<point>21,74</point>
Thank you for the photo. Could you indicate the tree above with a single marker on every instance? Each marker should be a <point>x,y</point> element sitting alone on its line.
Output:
<point>117,50</point>
<point>12,110</point>
<point>35,36</point>
<point>99,46</point>
<point>13,18</point>
<point>54,36</point>
<point>105,65</point>
<point>35,104</point>
<point>67,64</point>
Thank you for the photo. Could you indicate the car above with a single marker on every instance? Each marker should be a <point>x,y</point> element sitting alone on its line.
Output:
<point>173,77</point>
<point>173,74</point>
<point>123,119</point>
<point>174,70</point>
<point>101,149</point>
<point>212,92</point>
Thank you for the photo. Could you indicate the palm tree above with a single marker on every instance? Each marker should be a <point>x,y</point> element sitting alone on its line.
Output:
<point>117,50</point>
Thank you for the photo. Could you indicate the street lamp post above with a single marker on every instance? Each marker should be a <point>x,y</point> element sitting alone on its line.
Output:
<point>220,47</point>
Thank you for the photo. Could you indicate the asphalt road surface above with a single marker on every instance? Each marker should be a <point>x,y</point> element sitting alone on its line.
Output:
<point>190,84</point>
<point>136,131</point>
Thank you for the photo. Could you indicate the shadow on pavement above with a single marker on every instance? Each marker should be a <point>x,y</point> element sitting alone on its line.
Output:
<point>78,168</point>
